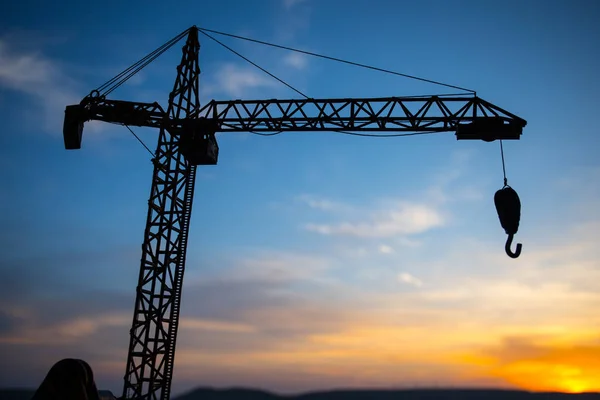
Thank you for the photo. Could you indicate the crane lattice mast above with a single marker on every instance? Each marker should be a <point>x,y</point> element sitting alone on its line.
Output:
<point>158,294</point>
<point>187,139</point>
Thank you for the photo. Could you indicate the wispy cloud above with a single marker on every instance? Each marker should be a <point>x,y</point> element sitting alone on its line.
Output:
<point>356,327</point>
<point>293,21</point>
<point>385,249</point>
<point>323,204</point>
<point>280,318</point>
<point>38,76</point>
<point>235,81</point>
<point>278,266</point>
<point>291,3</point>
<point>296,60</point>
<point>398,218</point>
<point>407,278</point>
<point>259,316</point>
<point>402,218</point>
<point>446,185</point>
<point>198,324</point>
<point>62,332</point>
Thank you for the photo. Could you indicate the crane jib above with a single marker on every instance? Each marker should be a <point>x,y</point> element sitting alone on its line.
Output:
<point>470,118</point>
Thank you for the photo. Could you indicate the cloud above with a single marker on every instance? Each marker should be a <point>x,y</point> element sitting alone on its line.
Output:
<point>385,249</point>
<point>402,218</point>
<point>32,318</point>
<point>293,22</point>
<point>292,320</point>
<point>323,204</point>
<point>237,82</point>
<point>296,60</point>
<point>292,3</point>
<point>29,274</point>
<point>197,324</point>
<point>280,266</point>
<point>38,76</point>
<point>446,186</point>
<point>408,242</point>
<point>409,279</point>
<point>397,218</point>
<point>284,313</point>
<point>266,266</point>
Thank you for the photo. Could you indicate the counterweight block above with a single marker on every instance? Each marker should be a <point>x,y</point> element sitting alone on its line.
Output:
<point>489,129</point>
<point>73,126</point>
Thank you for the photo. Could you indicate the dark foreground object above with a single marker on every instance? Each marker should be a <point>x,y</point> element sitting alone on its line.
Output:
<point>68,379</point>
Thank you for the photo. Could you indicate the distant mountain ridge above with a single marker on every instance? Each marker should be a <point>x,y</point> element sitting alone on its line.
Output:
<point>205,393</point>
<point>400,394</point>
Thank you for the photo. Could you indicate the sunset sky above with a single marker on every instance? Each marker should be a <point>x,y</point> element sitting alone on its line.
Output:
<point>316,260</point>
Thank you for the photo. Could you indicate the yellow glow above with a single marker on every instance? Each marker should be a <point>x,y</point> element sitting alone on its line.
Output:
<point>575,385</point>
<point>547,377</point>
<point>542,339</point>
<point>461,355</point>
<point>552,365</point>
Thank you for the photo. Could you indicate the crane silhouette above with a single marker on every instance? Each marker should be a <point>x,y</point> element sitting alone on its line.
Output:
<point>187,139</point>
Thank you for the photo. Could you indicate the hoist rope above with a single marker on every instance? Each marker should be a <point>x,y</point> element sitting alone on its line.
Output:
<point>508,206</point>
<point>387,71</point>
<point>503,164</point>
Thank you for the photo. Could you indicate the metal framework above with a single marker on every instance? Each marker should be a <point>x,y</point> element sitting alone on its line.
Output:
<point>389,114</point>
<point>416,114</point>
<point>187,139</point>
<point>157,305</point>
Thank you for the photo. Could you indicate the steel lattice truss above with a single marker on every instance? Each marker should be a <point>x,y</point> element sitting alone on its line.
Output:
<point>416,114</point>
<point>402,114</point>
<point>157,306</point>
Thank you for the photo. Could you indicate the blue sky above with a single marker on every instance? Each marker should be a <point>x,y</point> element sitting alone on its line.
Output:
<point>316,260</point>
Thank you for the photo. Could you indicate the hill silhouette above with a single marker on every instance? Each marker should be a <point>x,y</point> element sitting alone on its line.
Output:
<point>405,394</point>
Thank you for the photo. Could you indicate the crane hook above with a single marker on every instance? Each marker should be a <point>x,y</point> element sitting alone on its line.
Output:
<point>508,250</point>
<point>508,206</point>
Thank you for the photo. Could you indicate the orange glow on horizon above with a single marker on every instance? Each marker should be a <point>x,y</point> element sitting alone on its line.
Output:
<point>471,356</point>
<point>546,377</point>
<point>543,367</point>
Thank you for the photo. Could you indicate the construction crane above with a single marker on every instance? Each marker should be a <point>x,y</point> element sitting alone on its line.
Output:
<point>187,139</point>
